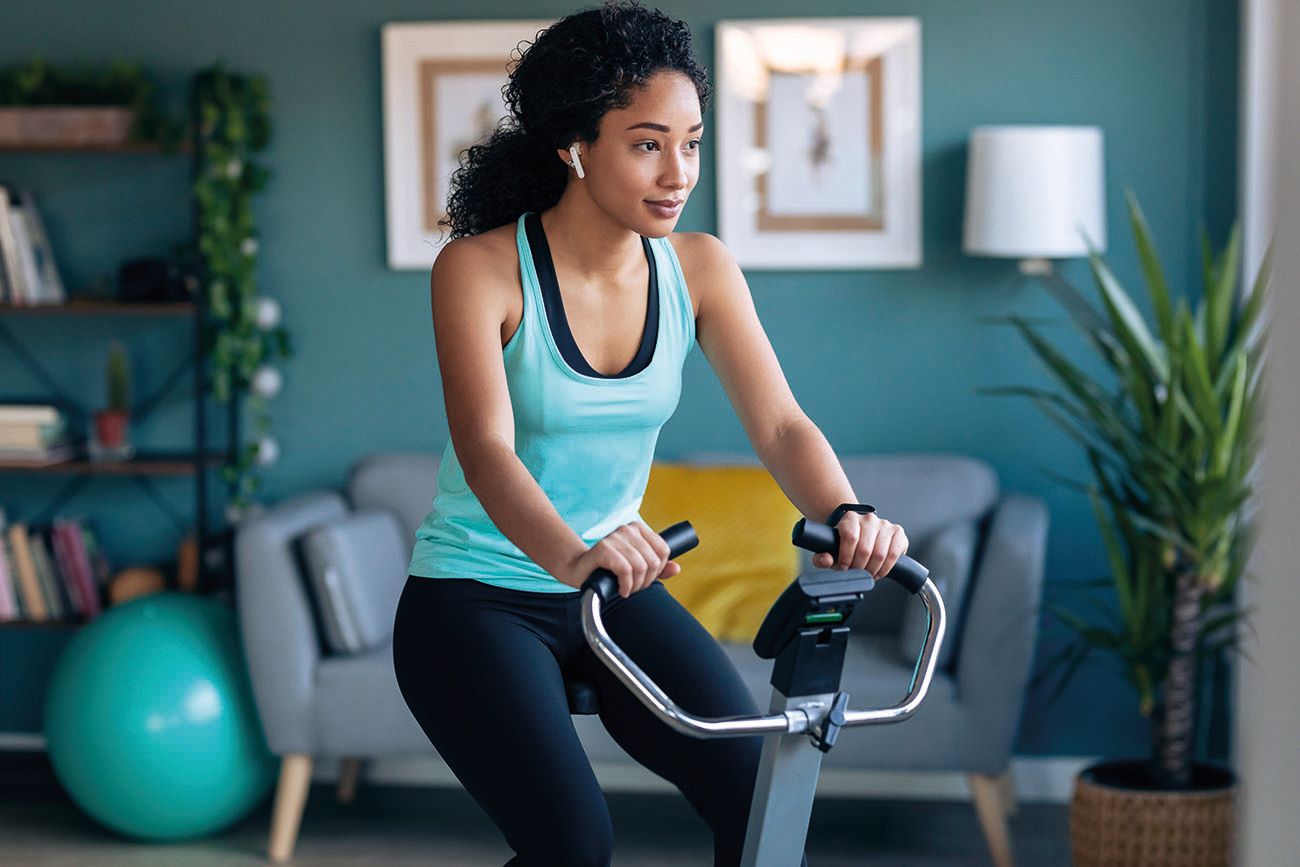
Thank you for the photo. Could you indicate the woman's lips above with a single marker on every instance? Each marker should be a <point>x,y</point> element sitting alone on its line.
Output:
<point>665,211</point>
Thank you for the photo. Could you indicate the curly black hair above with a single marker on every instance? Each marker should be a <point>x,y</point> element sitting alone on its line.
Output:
<point>561,86</point>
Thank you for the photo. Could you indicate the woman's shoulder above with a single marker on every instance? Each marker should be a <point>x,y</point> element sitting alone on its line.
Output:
<point>486,253</point>
<point>703,258</point>
<point>493,242</point>
<point>698,251</point>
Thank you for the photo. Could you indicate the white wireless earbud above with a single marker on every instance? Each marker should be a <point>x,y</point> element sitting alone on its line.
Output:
<point>577,163</point>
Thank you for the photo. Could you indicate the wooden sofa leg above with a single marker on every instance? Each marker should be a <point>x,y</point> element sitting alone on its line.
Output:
<point>349,771</point>
<point>290,798</point>
<point>990,807</point>
<point>1009,801</point>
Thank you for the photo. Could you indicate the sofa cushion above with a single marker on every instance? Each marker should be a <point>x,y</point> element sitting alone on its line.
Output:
<point>744,559</point>
<point>356,566</point>
<point>921,492</point>
<point>404,483</point>
<point>948,555</point>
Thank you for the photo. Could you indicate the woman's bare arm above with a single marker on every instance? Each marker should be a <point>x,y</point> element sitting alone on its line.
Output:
<point>731,336</point>
<point>469,295</point>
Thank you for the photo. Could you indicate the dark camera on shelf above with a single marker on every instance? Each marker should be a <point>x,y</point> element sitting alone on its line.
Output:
<point>152,281</point>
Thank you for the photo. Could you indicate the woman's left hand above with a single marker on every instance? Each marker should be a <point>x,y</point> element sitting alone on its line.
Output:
<point>866,542</point>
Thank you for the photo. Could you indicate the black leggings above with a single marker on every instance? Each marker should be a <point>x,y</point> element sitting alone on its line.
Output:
<point>482,669</point>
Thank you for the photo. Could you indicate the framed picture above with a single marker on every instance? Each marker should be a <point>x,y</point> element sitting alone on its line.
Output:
<point>819,142</point>
<point>442,93</point>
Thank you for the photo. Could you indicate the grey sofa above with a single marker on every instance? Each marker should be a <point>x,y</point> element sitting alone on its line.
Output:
<point>984,548</point>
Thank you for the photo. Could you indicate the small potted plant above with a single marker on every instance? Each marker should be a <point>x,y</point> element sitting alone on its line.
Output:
<point>112,425</point>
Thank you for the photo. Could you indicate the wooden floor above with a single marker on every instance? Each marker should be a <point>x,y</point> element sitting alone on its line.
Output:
<point>396,826</point>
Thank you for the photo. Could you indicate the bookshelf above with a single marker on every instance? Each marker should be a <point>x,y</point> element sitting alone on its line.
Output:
<point>146,466</point>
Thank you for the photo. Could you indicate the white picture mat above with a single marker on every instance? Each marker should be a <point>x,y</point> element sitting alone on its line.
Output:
<point>404,46</point>
<point>741,80</point>
<point>844,184</point>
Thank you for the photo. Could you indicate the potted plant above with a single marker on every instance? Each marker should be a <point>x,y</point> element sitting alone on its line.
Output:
<point>45,106</point>
<point>1171,447</point>
<point>112,425</point>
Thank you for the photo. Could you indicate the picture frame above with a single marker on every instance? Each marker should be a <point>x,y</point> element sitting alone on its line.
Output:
<point>819,142</point>
<point>441,94</point>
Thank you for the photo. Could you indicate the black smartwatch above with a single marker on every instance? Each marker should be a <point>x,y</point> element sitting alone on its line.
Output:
<point>860,508</point>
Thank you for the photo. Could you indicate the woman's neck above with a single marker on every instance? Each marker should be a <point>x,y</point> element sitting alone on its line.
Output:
<point>591,244</point>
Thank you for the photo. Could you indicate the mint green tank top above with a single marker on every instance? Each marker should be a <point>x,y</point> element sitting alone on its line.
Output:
<point>587,439</point>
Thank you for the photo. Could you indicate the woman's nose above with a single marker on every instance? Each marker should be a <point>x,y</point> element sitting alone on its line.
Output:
<point>676,172</point>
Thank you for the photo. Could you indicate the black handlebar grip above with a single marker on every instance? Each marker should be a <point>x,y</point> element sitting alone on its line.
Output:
<point>680,538</point>
<point>823,539</point>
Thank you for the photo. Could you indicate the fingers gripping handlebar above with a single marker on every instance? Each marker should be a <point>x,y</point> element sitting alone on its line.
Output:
<point>680,538</point>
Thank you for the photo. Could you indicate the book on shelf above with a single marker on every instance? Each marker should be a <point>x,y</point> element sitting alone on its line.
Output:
<point>48,458</point>
<point>34,434</point>
<point>50,573</point>
<point>29,413</point>
<point>29,274</point>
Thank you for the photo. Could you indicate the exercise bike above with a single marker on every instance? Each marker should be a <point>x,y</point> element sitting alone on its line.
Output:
<point>806,633</point>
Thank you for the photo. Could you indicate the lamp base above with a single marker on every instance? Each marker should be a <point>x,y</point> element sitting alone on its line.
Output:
<point>1035,267</point>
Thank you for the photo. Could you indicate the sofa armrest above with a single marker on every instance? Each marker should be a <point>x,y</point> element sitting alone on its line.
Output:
<point>996,645</point>
<point>276,624</point>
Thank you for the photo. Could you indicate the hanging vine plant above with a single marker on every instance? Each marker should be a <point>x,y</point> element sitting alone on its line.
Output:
<point>242,335</point>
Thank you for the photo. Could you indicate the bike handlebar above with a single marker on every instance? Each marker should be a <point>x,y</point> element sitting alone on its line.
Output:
<point>602,587</point>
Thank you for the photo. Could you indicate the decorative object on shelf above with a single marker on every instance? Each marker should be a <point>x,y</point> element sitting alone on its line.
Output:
<point>112,430</point>
<point>152,280</point>
<point>244,336</point>
<point>1172,448</point>
<point>173,748</point>
<point>819,142</point>
<point>42,105</point>
<point>1035,193</point>
<point>187,564</point>
<point>133,582</point>
<point>442,94</point>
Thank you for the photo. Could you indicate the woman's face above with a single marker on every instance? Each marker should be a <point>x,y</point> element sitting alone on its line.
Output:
<point>646,160</point>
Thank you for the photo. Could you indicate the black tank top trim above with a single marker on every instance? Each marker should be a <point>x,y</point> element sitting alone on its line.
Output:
<point>545,268</point>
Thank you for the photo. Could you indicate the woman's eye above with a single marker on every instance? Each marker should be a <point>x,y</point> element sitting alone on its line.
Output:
<point>695,142</point>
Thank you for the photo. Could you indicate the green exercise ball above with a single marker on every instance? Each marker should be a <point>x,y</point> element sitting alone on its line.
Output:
<point>149,720</point>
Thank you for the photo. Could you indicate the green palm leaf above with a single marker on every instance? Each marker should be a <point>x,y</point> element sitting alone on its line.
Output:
<point>1155,275</point>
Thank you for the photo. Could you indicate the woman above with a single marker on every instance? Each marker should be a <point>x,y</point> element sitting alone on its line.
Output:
<point>563,309</point>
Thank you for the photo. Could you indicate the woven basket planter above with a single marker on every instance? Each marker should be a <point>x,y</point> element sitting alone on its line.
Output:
<point>1119,819</point>
<point>64,126</point>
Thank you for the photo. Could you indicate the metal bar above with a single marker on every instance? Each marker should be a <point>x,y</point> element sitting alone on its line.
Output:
<point>147,406</point>
<point>32,363</point>
<point>929,595</point>
<point>661,705</point>
<point>152,490</point>
<point>63,496</point>
<point>784,789</point>
<point>200,390</point>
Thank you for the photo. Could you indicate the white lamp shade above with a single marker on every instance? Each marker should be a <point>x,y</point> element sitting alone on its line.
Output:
<point>1032,191</point>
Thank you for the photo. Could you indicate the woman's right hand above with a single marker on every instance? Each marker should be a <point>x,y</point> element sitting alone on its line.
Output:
<point>635,554</point>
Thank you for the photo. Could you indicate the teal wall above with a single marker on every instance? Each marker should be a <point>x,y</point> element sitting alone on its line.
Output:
<point>882,360</point>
